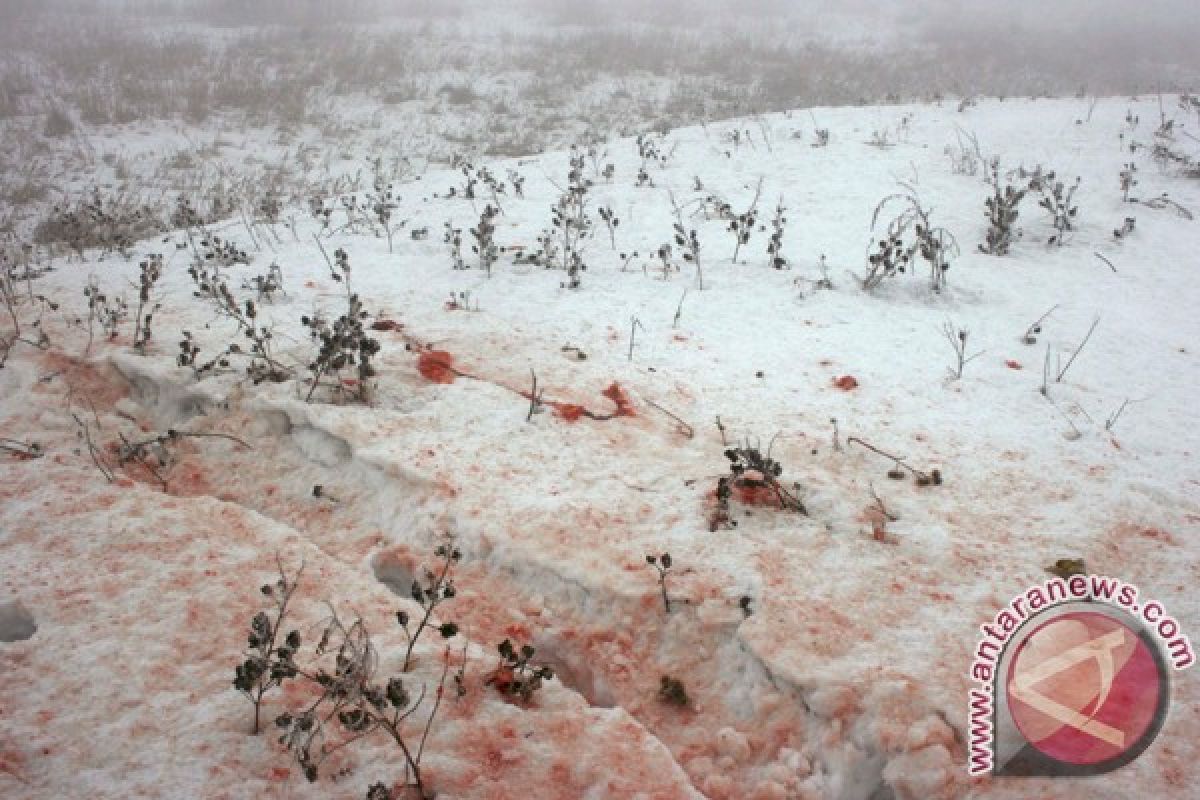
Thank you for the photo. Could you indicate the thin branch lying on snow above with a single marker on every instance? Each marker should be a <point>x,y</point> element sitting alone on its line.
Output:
<point>175,434</point>
<point>889,516</point>
<point>684,428</point>
<point>1106,261</point>
<point>151,454</point>
<point>1062,372</point>
<point>1165,202</point>
<point>21,449</point>
<point>141,453</point>
<point>934,477</point>
<point>146,452</point>
<point>85,433</point>
<point>1116,415</point>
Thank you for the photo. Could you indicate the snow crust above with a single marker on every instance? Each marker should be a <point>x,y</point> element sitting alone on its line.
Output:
<point>848,676</point>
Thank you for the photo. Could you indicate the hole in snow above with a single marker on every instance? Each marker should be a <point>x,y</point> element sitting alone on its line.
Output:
<point>322,447</point>
<point>393,574</point>
<point>16,623</point>
<point>276,423</point>
<point>189,406</point>
<point>883,792</point>
<point>573,670</point>
<point>145,390</point>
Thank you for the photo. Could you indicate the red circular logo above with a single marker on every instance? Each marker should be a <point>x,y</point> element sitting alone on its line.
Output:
<point>1084,688</point>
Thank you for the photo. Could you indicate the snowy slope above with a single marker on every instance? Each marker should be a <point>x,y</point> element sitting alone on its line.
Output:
<point>848,676</point>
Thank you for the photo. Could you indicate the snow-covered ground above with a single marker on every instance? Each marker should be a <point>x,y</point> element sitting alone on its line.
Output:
<point>844,673</point>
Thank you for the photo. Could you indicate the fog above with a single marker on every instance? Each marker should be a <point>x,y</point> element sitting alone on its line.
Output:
<point>1029,46</point>
<point>547,65</point>
<point>1143,27</point>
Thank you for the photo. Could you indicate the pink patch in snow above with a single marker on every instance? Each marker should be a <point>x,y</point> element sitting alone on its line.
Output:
<point>568,411</point>
<point>845,382</point>
<point>615,393</point>
<point>12,762</point>
<point>102,385</point>
<point>436,366</point>
<point>756,495</point>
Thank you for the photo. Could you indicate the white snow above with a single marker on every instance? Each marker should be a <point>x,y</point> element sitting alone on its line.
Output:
<point>848,679</point>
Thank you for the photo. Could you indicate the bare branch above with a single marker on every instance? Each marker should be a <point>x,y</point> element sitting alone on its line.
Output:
<point>1062,372</point>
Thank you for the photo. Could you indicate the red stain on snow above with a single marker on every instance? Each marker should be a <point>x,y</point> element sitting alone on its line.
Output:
<point>571,412</point>
<point>517,631</point>
<point>1156,533</point>
<point>568,411</point>
<point>12,762</point>
<point>756,495</point>
<point>502,678</point>
<point>845,383</point>
<point>615,393</point>
<point>1013,364</point>
<point>101,385</point>
<point>436,366</point>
